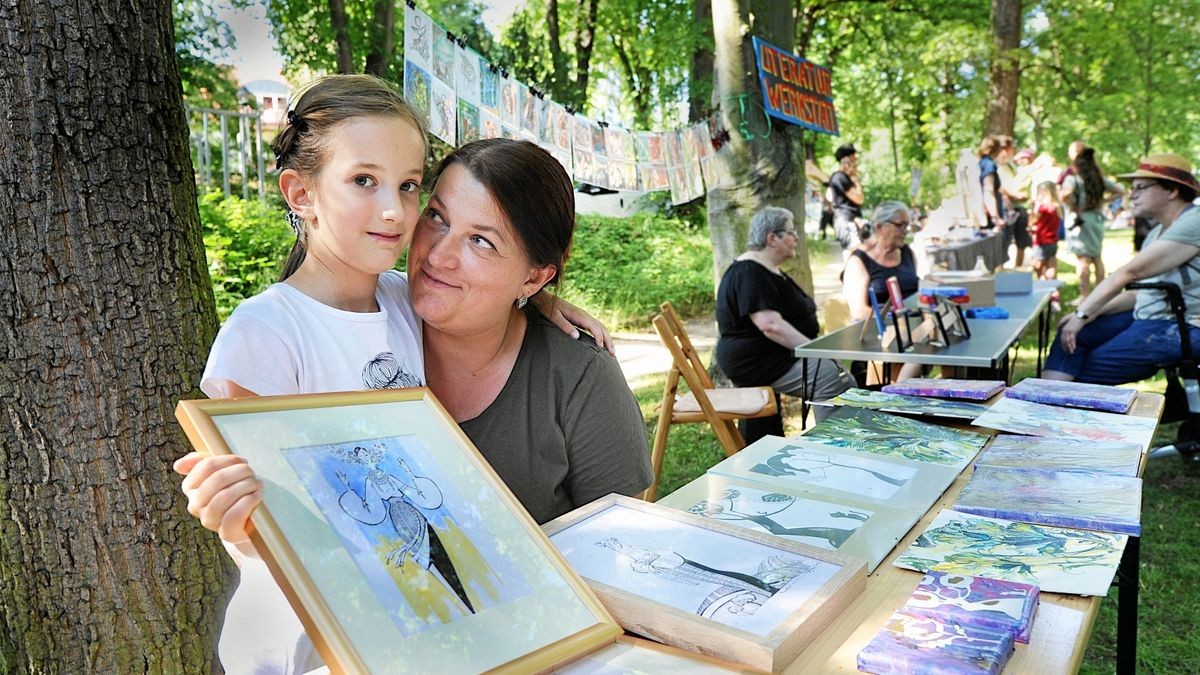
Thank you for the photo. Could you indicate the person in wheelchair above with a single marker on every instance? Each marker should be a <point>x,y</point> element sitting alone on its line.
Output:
<point>1118,336</point>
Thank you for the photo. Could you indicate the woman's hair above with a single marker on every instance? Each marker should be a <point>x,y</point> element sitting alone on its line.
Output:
<point>1186,193</point>
<point>531,188</point>
<point>987,147</point>
<point>886,211</point>
<point>304,144</point>
<point>769,220</point>
<point>1088,174</point>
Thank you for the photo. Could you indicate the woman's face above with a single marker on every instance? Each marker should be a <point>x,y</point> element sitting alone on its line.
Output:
<point>891,232</point>
<point>467,265</point>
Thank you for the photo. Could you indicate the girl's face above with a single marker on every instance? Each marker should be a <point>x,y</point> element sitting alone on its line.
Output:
<point>468,265</point>
<point>363,205</point>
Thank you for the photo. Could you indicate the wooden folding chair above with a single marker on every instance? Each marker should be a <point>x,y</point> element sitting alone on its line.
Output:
<point>730,405</point>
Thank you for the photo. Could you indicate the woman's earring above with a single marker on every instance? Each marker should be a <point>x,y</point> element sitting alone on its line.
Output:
<point>522,301</point>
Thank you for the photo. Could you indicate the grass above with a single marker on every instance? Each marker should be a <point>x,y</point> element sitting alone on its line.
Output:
<point>1169,604</point>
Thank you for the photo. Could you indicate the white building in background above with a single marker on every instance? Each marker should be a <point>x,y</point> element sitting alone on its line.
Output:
<point>272,97</point>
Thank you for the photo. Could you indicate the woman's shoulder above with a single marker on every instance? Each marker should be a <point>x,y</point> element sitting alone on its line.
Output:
<point>546,338</point>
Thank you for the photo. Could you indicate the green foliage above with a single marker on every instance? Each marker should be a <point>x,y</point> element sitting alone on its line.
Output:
<point>622,269</point>
<point>200,37</point>
<point>247,242</point>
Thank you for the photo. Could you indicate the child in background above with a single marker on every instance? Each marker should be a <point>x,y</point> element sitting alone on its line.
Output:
<point>1047,217</point>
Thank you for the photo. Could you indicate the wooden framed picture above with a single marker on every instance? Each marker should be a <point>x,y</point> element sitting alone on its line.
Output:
<point>815,468</point>
<point>393,539</point>
<point>703,585</point>
<point>630,655</point>
<point>853,527</point>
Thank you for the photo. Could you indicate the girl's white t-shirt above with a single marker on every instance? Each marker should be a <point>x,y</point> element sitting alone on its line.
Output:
<point>281,341</point>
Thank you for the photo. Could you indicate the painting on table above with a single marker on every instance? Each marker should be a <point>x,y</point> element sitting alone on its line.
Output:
<point>1063,454</point>
<point>1091,501</point>
<point>700,584</point>
<point>910,405</point>
<point>895,436</point>
<point>866,531</point>
<point>839,473</point>
<point>1074,394</point>
<point>1037,419</point>
<point>1055,559</point>
<point>911,643</point>
<point>975,390</point>
<point>964,600</point>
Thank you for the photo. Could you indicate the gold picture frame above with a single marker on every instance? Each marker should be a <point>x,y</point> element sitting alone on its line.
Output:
<point>705,586</point>
<point>396,543</point>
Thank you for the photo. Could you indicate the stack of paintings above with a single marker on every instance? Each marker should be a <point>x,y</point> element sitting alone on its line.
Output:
<point>1074,394</point>
<point>853,527</point>
<point>1091,501</point>
<point>908,405</point>
<point>840,473</point>
<point>703,585</point>
<point>955,621</point>
<point>921,644</point>
<point>1036,419</point>
<point>1055,559</point>
<point>1063,454</point>
<point>894,436</point>
<point>974,390</point>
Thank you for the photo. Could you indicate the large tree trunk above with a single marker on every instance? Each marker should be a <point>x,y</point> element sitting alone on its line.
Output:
<point>1005,72</point>
<point>768,168</point>
<point>106,313</point>
<point>585,41</point>
<point>560,82</point>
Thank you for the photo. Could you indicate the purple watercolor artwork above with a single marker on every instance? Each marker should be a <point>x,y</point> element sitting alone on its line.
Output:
<point>1037,419</point>
<point>1063,454</point>
<point>1074,394</point>
<point>936,387</point>
<point>1061,498</point>
<point>965,600</point>
<point>919,644</point>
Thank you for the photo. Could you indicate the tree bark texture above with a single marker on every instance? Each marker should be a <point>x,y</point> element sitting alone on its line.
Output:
<point>383,39</point>
<point>559,80</point>
<point>766,169</point>
<point>585,41</point>
<point>1004,74</point>
<point>106,314</point>
<point>700,80</point>
<point>341,36</point>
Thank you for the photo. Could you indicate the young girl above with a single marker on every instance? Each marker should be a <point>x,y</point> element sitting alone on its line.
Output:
<point>1047,216</point>
<point>351,161</point>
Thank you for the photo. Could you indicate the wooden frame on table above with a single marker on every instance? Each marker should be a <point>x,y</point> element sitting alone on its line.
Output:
<point>706,586</point>
<point>394,540</point>
<point>631,655</point>
<point>848,526</point>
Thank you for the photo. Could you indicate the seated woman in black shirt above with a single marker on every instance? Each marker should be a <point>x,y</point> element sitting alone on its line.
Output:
<point>763,315</point>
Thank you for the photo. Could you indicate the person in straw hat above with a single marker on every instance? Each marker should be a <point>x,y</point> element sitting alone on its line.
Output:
<point>1118,336</point>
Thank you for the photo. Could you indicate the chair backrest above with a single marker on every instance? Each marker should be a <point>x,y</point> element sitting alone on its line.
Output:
<point>680,337</point>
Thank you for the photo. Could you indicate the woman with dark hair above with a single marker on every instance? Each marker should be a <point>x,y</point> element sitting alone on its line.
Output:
<point>1083,194</point>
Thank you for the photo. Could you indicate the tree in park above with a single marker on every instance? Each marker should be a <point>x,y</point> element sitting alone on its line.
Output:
<point>1005,71</point>
<point>763,164</point>
<point>106,314</point>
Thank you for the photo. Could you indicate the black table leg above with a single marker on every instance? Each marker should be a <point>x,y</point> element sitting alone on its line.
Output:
<point>1127,607</point>
<point>803,401</point>
<point>1041,332</point>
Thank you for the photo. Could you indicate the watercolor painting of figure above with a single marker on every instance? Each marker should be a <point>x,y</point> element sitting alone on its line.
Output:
<point>428,560</point>
<point>846,473</point>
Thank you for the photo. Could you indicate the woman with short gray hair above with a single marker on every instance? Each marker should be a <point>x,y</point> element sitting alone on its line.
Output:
<point>763,315</point>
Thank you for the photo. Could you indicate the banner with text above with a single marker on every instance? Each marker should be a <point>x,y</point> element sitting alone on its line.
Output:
<point>795,90</point>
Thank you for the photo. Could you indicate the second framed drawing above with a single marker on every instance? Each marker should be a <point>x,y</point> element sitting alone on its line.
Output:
<point>703,585</point>
<point>867,531</point>
<point>394,540</point>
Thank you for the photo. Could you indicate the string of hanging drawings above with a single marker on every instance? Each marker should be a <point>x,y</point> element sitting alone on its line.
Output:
<point>466,98</point>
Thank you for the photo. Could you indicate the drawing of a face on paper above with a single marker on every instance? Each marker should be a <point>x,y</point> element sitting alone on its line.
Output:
<point>822,524</point>
<point>847,473</point>
<point>729,580</point>
<point>426,558</point>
